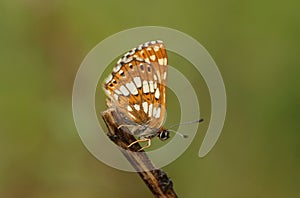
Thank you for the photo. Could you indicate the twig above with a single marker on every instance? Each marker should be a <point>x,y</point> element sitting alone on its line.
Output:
<point>156,179</point>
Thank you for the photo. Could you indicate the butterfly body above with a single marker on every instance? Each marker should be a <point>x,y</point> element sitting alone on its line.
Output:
<point>136,90</point>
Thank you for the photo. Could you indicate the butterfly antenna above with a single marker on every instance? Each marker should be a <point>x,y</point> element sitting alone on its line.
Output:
<point>189,122</point>
<point>176,132</point>
<point>184,123</point>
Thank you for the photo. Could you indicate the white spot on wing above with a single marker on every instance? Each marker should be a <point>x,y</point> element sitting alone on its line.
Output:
<point>108,79</point>
<point>128,60</point>
<point>156,48</point>
<point>157,113</point>
<point>145,86</point>
<point>124,91</point>
<point>137,107</point>
<point>152,57</point>
<point>116,96</point>
<point>161,61</point>
<point>145,107</point>
<point>139,59</point>
<point>132,51</point>
<point>107,92</point>
<point>125,55</point>
<point>156,95</point>
<point>165,75</point>
<point>150,110</point>
<point>165,61</point>
<point>154,111</point>
<point>147,60</point>
<point>158,76</point>
<point>131,115</point>
<point>132,88</point>
<point>118,92</point>
<point>117,68</point>
<point>137,81</point>
<point>129,108</point>
<point>151,86</point>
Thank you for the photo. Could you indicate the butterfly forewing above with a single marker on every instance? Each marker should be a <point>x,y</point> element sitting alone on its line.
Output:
<point>137,85</point>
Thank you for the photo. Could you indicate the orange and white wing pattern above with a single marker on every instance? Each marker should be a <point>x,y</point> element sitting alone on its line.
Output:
<point>137,86</point>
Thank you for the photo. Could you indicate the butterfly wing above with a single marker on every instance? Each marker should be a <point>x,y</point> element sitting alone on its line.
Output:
<point>155,53</point>
<point>137,85</point>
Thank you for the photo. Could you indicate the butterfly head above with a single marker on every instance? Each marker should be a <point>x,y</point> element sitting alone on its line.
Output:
<point>163,134</point>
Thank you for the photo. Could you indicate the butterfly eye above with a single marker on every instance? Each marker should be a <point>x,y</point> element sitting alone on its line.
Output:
<point>164,135</point>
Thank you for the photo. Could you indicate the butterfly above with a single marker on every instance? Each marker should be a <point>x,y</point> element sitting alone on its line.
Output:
<point>136,90</point>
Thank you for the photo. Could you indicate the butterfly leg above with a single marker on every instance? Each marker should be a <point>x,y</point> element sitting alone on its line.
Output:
<point>147,146</point>
<point>123,125</point>
<point>148,140</point>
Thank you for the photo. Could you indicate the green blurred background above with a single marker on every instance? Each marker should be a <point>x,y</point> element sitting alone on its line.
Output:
<point>254,43</point>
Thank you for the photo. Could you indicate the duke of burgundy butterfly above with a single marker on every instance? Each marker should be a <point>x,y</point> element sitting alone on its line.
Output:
<point>136,90</point>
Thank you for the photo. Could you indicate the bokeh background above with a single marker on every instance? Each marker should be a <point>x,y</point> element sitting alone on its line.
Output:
<point>254,43</point>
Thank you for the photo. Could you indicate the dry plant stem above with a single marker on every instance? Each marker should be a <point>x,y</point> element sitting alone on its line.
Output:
<point>156,179</point>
